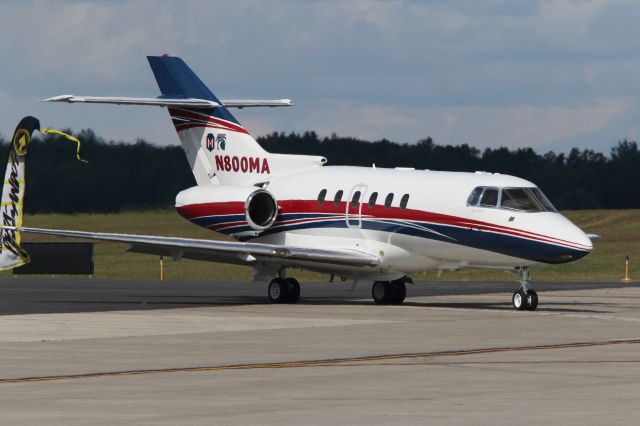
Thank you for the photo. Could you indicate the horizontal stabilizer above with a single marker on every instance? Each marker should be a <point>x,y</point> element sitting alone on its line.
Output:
<point>170,102</point>
<point>248,103</point>
<point>163,102</point>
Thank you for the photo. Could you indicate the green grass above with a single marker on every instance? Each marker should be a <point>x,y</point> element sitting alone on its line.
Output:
<point>620,230</point>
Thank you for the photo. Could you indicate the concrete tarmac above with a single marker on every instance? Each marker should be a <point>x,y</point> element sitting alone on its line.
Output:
<point>77,351</point>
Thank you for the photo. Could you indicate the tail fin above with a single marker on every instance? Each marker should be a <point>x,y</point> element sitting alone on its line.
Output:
<point>218,148</point>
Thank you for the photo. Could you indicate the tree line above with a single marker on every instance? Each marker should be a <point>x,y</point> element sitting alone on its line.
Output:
<point>134,176</point>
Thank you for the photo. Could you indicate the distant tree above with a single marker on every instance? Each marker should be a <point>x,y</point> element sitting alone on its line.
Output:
<point>130,176</point>
<point>117,177</point>
<point>621,176</point>
<point>582,179</point>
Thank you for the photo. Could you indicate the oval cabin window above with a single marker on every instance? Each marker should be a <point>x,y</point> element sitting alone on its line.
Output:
<point>321,197</point>
<point>388,200</point>
<point>404,201</point>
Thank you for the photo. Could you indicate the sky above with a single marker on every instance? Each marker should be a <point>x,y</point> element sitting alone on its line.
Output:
<point>551,75</point>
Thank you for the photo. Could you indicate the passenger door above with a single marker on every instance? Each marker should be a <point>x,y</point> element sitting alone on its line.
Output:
<point>354,206</point>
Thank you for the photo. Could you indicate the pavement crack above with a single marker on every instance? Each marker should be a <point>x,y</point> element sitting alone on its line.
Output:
<point>343,362</point>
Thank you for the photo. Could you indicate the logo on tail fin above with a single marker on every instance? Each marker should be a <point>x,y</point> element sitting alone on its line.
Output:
<point>222,141</point>
<point>210,142</point>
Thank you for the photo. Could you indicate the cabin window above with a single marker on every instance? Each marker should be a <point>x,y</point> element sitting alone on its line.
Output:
<point>489,197</point>
<point>388,200</point>
<point>372,199</point>
<point>338,198</point>
<point>321,197</point>
<point>475,196</point>
<point>355,200</point>
<point>404,201</point>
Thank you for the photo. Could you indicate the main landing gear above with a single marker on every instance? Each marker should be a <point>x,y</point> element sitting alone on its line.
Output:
<point>284,290</point>
<point>524,298</point>
<point>389,292</point>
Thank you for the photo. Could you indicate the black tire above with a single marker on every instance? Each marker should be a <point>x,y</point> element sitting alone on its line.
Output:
<point>519,300</point>
<point>278,291</point>
<point>381,292</point>
<point>293,287</point>
<point>398,292</point>
<point>532,300</point>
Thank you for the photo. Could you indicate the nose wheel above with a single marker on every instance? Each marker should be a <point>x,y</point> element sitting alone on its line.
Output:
<point>284,290</point>
<point>525,298</point>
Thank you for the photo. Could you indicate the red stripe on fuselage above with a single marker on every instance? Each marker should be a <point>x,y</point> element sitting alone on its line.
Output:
<point>192,211</point>
<point>377,212</point>
<point>381,212</point>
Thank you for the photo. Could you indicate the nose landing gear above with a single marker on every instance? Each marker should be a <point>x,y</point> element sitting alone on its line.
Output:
<point>524,298</point>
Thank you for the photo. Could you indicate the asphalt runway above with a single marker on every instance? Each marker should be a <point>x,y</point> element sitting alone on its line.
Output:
<point>80,351</point>
<point>56,295</point>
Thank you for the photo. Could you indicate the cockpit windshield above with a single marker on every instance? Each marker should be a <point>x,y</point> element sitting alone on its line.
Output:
<point>542,199</point>
<point>521,199</point>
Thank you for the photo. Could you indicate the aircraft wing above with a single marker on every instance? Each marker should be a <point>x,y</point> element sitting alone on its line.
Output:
<point>171,102</point>
<point>220,251</point>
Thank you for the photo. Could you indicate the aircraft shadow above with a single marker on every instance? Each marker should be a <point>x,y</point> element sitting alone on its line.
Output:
<point>502,306</point>
<point>548,307</point>
<point>183,301</point>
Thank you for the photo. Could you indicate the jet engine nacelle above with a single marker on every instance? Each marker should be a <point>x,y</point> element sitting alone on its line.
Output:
<point>231,209</point>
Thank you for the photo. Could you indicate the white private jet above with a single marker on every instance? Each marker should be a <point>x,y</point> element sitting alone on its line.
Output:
<point>360,223</point>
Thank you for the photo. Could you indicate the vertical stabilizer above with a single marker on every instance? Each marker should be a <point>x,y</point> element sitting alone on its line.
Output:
<point>218,148</point>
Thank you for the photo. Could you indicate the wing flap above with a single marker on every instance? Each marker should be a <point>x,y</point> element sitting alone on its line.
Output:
<point>207,256</point>
<point>223,251</point>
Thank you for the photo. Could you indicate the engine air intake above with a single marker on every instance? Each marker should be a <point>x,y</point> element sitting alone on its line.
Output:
<point>261,209</point>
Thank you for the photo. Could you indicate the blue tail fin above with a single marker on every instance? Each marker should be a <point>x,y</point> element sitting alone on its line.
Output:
<point>177,80</point>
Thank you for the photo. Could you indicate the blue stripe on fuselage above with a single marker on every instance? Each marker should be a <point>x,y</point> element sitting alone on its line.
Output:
<point>509,245</point>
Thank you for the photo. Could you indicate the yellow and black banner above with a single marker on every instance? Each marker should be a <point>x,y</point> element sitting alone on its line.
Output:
<point>11,207</point>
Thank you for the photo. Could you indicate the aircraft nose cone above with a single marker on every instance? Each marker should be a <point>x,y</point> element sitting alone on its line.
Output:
<point>579,242</point>
<point>578,237</point>
<point>584,240</point>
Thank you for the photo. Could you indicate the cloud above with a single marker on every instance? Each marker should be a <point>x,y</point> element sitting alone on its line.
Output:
<point>532,72</point>
<point>482,126</point>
